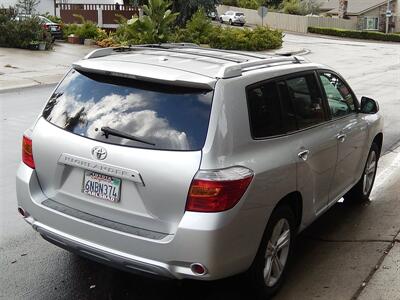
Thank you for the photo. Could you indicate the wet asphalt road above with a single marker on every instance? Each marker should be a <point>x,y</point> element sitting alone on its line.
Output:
<point>31,268</point>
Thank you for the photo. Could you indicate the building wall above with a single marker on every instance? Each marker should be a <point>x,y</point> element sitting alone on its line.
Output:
<point>380,12</point>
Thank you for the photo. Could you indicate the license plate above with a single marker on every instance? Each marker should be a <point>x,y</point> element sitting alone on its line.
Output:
<point>101,186</point>
<point>53,28</point>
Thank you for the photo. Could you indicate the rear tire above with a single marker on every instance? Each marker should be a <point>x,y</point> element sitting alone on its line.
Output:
<point>268,270</point>
<point>222,21</point>
<point>361,191</point>
<point>230,22</point>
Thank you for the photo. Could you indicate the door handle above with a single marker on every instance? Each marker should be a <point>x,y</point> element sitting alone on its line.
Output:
<point>341,138</point>
<point>303,154</point>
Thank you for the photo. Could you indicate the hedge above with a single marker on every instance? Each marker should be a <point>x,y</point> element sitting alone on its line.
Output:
<point>368,35</point>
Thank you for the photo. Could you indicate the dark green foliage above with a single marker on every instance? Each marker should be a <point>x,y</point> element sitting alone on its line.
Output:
<point>197,29</point>
<point>52,18</point>
<point>368,35</point>
<point>187,8</point>
<point>261,38</point>
<point>23,33</point>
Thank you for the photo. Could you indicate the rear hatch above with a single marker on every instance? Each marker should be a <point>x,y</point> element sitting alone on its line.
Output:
<point>121,149</point>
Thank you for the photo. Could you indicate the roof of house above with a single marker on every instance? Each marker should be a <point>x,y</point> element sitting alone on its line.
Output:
<point>355,7</point>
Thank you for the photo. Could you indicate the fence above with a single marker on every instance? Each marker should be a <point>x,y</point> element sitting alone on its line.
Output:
<point>290,22</point>
<point>105,15</point>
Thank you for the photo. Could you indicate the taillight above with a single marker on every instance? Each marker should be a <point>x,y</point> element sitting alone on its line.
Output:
<point>218,190</point>
<point>27,156</point>
<point>45,26</point>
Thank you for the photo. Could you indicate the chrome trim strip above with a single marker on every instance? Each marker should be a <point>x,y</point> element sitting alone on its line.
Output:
<point>91,165</point>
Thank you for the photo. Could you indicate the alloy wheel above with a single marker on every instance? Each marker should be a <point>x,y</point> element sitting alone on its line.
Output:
<point>369,172</point>
<point>277,252</point>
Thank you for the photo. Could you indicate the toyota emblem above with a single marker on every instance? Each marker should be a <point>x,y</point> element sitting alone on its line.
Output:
<point>99,153</point>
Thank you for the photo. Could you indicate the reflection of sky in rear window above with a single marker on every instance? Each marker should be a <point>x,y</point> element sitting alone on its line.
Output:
<point>172,118</point>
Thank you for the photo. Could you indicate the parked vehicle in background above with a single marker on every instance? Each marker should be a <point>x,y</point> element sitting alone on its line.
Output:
<point>213,15</point>
<point>53,28</point>
<point>233,17</point>
<point>190,162</point>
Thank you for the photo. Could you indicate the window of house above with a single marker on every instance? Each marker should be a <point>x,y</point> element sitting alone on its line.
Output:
<point>371,23</point>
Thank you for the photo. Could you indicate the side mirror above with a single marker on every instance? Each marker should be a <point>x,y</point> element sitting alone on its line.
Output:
<point>369,106</point>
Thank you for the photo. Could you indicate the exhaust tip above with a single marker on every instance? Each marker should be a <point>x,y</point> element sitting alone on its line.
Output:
<point>23,212</point>
<point>198,269</point>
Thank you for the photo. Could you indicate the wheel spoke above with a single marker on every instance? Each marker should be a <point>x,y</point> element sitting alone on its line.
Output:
<point>268,271</point>
<point>277,231</point>
<point>270,250</point>
<point>277,267</point>
<point>283,240</point>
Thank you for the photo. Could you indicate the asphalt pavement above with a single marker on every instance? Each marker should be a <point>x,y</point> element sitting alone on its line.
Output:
<point>346,253</point>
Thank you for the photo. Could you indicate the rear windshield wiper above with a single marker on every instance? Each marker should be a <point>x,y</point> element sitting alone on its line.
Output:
<point>109,131</point>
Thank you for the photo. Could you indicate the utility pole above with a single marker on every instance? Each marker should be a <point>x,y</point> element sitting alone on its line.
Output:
<point>388,15</point>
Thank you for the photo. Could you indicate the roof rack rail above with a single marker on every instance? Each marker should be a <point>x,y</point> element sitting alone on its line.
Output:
<point>158,47</point>
<point>237,69</point>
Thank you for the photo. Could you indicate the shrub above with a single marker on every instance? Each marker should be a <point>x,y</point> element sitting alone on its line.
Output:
<point>52,18</point>
<point>87,29</point>
<point>261,38</point>
<point>369,35</point>
<point>250,4</point>
<point>293,7</point>
<point>22,33</point>
<point>70,29</point>
<point>197,30</point>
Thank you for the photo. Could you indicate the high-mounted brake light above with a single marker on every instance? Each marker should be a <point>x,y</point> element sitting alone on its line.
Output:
<point>218,190</point>
<point>27,156</point>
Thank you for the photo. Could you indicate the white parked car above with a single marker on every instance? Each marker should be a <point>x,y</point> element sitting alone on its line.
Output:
<point>233,17</point>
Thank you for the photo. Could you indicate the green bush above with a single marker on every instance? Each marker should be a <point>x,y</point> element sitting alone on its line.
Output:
<point>52,18</point>
<point>250,4</point>
<point>260,38</point>
<point>369,35</point>
<point>70,29</point>
<point>25,33</point>
<point>197,30</point>
<point>293,7</point>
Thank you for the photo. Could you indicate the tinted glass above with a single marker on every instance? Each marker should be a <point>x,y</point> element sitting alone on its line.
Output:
<point>173,118</point>
<point>289,114</point>
<point>265,110</point>
<point>239,14</point>
<point>341,101</point>
<point>306,99</point>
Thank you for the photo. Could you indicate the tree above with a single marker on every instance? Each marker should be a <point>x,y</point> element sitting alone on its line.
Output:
<point>27,7</point>
<point>312,6</point>
<point>155,26</point>
<point>186,8</point>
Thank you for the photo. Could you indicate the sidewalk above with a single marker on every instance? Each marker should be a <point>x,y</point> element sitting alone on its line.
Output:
<point>24,68</point>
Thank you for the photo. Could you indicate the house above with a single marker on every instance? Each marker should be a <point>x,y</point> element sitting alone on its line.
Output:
<point>50,5</point>
<point>370,14</point>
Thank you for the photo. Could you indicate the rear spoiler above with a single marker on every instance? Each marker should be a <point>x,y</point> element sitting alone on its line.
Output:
<point>147,73</point>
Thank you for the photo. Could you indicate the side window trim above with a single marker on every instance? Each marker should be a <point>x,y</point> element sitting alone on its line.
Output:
<point>315,73</point>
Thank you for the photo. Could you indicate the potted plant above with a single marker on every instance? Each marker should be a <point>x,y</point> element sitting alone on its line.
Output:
<point>42,45</point>
<point>34,45</point>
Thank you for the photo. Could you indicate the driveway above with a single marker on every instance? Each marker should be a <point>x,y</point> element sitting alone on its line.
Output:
<point>346,253</point>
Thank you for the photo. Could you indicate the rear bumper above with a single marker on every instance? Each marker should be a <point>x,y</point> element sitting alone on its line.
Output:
<point>220,242</point>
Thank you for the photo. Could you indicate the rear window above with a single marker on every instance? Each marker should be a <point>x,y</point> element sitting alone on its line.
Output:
<point>170,117</point>
<point>240,14</point>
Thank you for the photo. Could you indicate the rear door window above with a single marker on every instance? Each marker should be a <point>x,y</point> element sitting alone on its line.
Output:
<point>170,117</point>
<point>265,112</point>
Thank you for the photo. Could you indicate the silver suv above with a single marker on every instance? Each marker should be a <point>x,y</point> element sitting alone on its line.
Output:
<point>187,162</point>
